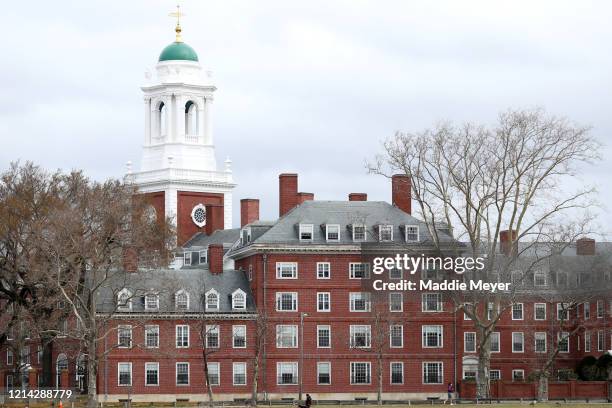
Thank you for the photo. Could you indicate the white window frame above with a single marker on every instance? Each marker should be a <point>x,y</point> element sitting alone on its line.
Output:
<point>327,227</point>
<point>304,229</point>
<point>367,301</point>
<point>518,370</point>
<point>292,265</point>
<point>600,309</point>
<point>294,368</point>
<point>353,365</point>
<point>355,329</point>
<point>183,331</point>
<point>540,274</point>
<point>538,336</point>
<point>177,305</point>
<point>328,363</point>
<point>236,305</point>
<point>128,304</point>
<point>212,329</point>
<point>418,233</point>
<point>203,257</point>
<point>187,258</point>
<point>391,328</point>
<point>401,364</point>
<point>601,339</point>
<point>239,364</point>
<point>218,365</point>
<point>535,311</point>
<point>236,328</point>
<point>206,295</point>
<point>123,328</point>
<point>388,228</point>
<point>156,301</point>
<point>294,333</point>
<point>439,303</point>
<point>465,342</point>
<point>498,335</point>
<point>563,309</point>
<point>119,364</point>
<point>522,308</point>
<point>365,232</point>
<point>294,301</point>
<point>176,373</point>
<point>587,341</point>
<point>151,328</point>
<point>324,294</point>
<point>146,370</point>
<point>324,327</point>
<point>440,364</point>
<point>439,329</point>
<point>498,371</point>
<point>366,273</point>
<point>522,342</point>
<point>586,309</point>
<point>321,268</point>
<point>401,302</point>
<point>559,336</point>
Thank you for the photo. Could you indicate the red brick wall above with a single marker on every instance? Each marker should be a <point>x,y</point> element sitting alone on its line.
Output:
<point>186,201</point>
<point>287,192</point>
<point>249,211</point>
<point>401,192</point>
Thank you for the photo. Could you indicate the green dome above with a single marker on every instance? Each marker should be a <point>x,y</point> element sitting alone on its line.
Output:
<point>178,51</point>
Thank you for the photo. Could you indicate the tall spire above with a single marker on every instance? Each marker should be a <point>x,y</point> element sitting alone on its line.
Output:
<point>178,16</point>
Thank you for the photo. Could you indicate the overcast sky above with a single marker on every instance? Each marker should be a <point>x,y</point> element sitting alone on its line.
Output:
<point>304,86</point>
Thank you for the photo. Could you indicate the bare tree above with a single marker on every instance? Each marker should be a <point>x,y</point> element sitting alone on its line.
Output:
<point>475,181</point>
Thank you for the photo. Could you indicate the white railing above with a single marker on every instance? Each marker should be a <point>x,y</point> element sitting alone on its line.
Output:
<point>170,174</point>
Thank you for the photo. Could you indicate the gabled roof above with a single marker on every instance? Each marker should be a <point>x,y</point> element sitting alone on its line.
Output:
<point>201,240</point>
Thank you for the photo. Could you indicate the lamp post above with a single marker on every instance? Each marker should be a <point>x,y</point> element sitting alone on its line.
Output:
<point>301,369</point>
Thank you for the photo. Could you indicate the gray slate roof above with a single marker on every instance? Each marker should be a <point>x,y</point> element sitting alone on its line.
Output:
<point>166,282</point>
<point>201,240</point>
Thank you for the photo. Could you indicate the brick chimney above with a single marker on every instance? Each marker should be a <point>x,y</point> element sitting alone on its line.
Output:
<point>358,197</point>
<point>214,218</point>
<point>287,192</point>
<point>301,197</point>
<point>215,258</point>
<point>506,241</point>
<point>130,259</point>
<point>401,192</point>
<point>585,246</point>
<point>249,211</point>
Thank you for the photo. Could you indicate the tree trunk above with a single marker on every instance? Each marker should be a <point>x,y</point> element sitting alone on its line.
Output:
<point>483,386</point>
<point>92,373</point>
<point>207,379</point>
<point>380,379</point>
<point>255,380</point>
<point>543,387</point>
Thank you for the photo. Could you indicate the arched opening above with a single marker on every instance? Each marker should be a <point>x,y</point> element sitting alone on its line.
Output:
<point>191,119</point>
<point>61,364</point>
<point>162,120</point>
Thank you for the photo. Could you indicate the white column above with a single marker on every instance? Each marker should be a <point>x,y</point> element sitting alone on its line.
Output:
<point>208,135</point>
<point>170,202</point>
<point>227,210</point>
<point>172,119</point>
<point>180,119</point>
<point>201,120</point>
<point>147,126</point>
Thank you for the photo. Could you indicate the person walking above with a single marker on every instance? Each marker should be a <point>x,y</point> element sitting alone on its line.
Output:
<point>451,391</point>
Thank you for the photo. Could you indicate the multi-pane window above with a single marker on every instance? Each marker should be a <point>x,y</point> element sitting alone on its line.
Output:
<point>432,373</point>
<point>395,273</point>
<point>563,311</point>
<point>323,373</point>
<point>124,374</point>
<point>412,233</point>
<point>490,309</point>
<point>286,301</point>
<point>494,375</point>
<point>239,336</point>
<point>539,311</point>
<point>396,334</point>
<point>540,342</point>
<point>431,302</point>
<point>587,342</point>
<point>323,336</point>
<point>152,336</point>
<point>361,372</point>
<point>518,342</point>
<point>238,300</point>
<point>124,336</point>
<point>518,375</point>
<point>361,336</point>
<point>359,301</point>
<point>286,336</point>
<point>182,373</point>
<point>396,302</point>
<point>151,373</point>
<point>517,311</point>
<point>181,300</point>
<point>323,270</point>
<point>539,278</point>
<point>563,341</point>
<point>286,270</point>
<point>212,336</point>
<point>202,256</point>
<point>469,342</point>
<point>385,233</point>
<point>182,336</point>
<point>323,302</point>
<point>214,373</point>
<point>212,300</point>
<point>397,372</point>
<point>332,232</point>
<point>359,270</point>
<point>494,341</point>
<point>600,309</point>
<point>306,232</point>
<point>25,355</point>
<point>187,258</point>
<point>124,300</point>
<point>286,373</point>
<point>151,301</point>
<point>432,336</point>
<point>587,310</point>
<point>600,340</point>
<point>359,232</point>
<point>9,357</point>
<point>239,373</point>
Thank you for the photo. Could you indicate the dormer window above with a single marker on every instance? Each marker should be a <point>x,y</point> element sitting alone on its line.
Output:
<point>124,300</point>
<point>306,232</point>
<point>385,233</point>
<point>239,300</point>
<point>203,255</point>
<point>181,300</point>
<point>248,236</point>
<point>151,301</point>
<point>187,258</point>
<point>359,232</point>
<point>212,300</point>
<point>412,233</point>
<point>332,232</point>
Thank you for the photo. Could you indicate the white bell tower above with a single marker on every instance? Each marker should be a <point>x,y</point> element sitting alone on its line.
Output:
<point>178,155</point>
